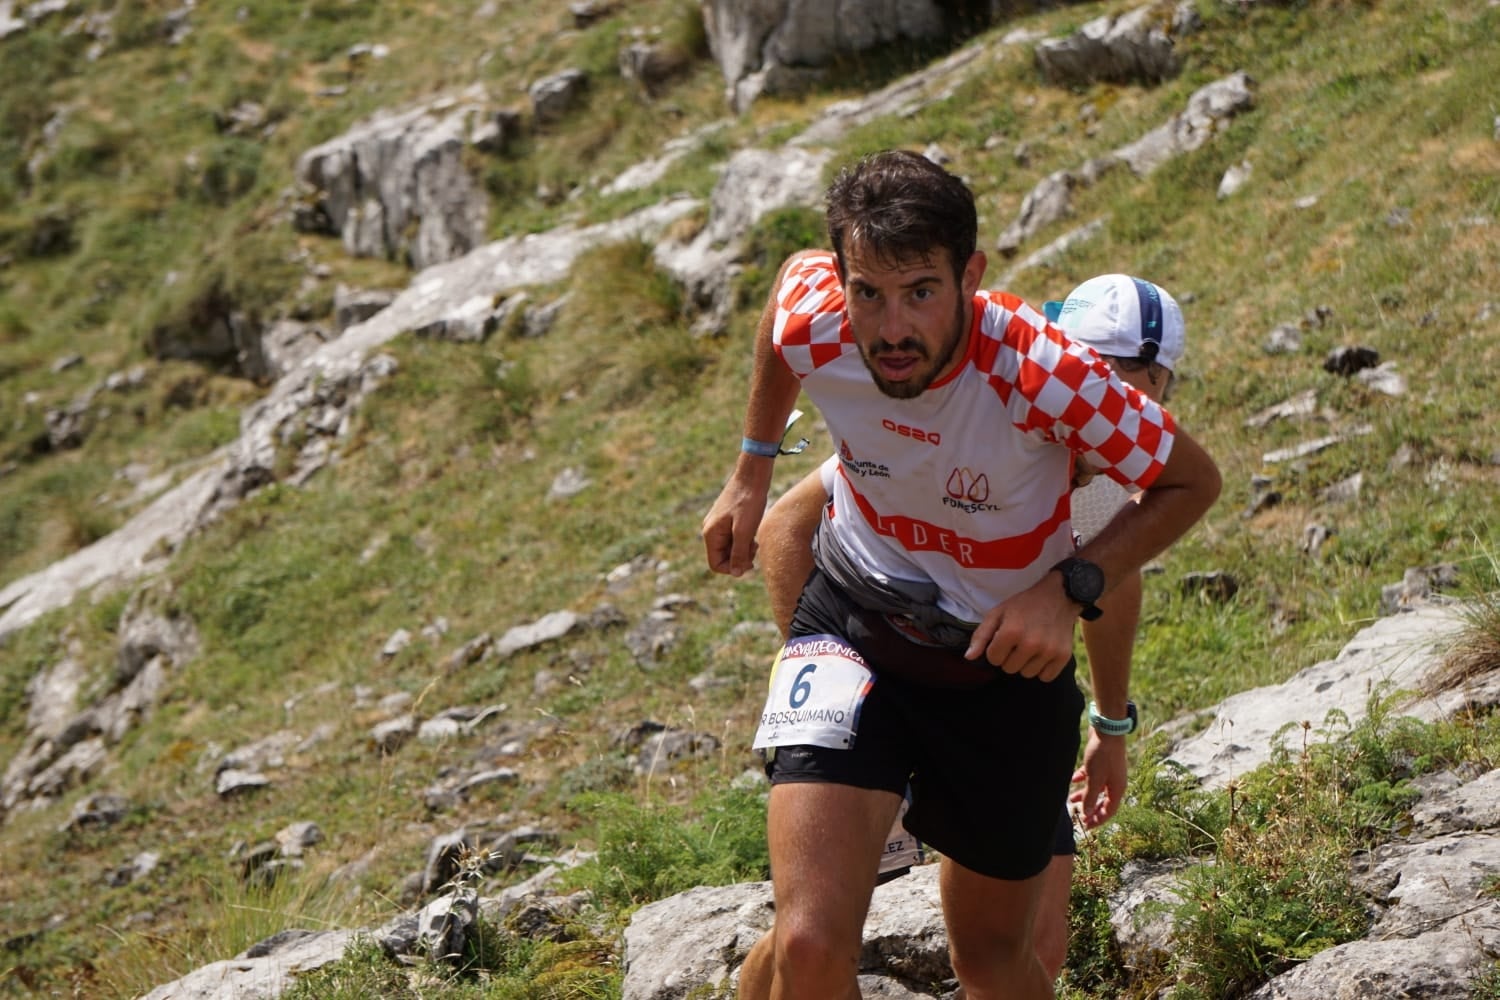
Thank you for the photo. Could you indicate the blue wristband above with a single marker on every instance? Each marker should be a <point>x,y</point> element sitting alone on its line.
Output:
<point>764,449</point>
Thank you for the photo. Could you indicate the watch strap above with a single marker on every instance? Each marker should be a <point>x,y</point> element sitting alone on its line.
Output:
<point>1105,726</point>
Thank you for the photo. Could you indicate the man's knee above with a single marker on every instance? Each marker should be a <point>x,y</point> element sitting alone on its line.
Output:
<point>1052,952</point>
<point>811,949</point>
<point>1051,928</point>
<point>975,961</point>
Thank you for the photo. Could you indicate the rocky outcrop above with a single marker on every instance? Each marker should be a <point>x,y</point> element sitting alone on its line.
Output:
<point>310,404</point>
<point>262,971</point>
<point>31,13</point>
<point>552,97</point>
<point>778,46</point>
<point>1208,112</point>
<point>439,930</point>
<point>1135,47</point>
<point>74,716</point>
<point>141,547</point>
<point>1397,653</point>
<point>753,183</point>
<point>905,96</point>
<point>395,186</point>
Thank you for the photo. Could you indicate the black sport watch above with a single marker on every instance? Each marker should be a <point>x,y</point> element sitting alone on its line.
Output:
<point>1083,582</point>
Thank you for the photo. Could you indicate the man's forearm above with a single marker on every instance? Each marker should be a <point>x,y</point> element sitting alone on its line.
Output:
<point>730,526</point>
<point>1110,641</point>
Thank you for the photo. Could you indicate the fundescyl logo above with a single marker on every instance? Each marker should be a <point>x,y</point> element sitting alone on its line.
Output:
<point>968,492</point>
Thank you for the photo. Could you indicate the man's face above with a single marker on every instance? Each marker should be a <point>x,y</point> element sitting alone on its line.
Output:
<point>910,320</point>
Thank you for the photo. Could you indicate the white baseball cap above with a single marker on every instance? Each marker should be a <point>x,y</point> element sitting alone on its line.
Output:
<point>1123,317</point>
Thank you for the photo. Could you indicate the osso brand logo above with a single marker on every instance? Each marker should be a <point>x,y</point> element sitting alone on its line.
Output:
<point>915,433</point>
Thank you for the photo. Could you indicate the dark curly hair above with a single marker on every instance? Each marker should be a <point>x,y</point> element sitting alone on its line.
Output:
<point>902,207</point>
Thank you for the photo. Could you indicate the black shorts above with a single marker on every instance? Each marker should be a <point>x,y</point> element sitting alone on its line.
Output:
<point>988,761</point>
<point>1064,844</point>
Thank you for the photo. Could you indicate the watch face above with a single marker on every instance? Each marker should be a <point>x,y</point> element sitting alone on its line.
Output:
<point>1085,581</point>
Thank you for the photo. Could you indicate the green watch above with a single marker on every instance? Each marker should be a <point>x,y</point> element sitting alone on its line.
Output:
<point>1105,726</point>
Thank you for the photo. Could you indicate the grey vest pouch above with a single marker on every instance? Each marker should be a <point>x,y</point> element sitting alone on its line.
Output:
<point>915,601</point>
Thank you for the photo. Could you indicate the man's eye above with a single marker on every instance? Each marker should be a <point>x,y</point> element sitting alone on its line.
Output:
<point>923,294</point>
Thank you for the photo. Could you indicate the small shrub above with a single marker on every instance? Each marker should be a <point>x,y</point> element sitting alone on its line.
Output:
<point>230,169</point>
<point>620,289</point>
<point>1279,889</point>
<point>14,326</point>
<point>608,773</point>
<point>526,969</point>
<point>201,431</point>
<point>597,50</point>
<point>365,971</point>
<point>105,613</point>
<point>1475,650</point>
<point>685,32</point>
<point>1277,894</point>
<point>1167,814</point>
<point>649,851</point>
<point>1093,957</point>
<point>1486,985</point>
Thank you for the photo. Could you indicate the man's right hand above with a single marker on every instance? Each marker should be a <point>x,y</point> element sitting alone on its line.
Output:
<point>730,526</point>
<point>729,529</point>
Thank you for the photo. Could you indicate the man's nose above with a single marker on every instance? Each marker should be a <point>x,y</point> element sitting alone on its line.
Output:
<point>892,326</point>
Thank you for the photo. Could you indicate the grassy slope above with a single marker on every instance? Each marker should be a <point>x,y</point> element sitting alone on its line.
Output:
<point>1373,109</point>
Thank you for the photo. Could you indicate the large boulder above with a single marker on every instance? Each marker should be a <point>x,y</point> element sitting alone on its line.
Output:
<point>769,46</point>
<point>754,182</point>
<point>395,185</point>
<point>1135,47</point>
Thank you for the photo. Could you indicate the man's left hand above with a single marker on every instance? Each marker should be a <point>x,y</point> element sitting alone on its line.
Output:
<point>1103,776</point>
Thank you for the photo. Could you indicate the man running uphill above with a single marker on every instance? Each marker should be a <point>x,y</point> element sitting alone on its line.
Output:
<point>947,585</point>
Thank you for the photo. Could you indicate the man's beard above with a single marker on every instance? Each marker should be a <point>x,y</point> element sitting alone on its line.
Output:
<point>913,387</point>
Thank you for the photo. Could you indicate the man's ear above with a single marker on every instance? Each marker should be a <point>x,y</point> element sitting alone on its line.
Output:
<point>974,272</point>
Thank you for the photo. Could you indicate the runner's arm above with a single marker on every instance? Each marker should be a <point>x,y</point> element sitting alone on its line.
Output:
<point>1031,633</point>
<point>1110,641</point>
<point>730,526</point>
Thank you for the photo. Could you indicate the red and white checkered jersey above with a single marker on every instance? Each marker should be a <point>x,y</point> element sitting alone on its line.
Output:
<point>967,484</point>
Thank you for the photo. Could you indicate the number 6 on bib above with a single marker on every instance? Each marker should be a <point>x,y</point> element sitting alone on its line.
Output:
<point>818,686</point>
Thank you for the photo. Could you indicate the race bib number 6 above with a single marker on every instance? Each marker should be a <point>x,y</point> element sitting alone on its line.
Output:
<point>818,686</point>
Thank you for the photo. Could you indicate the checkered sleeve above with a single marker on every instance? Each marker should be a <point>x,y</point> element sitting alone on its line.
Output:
<point>1066,393</point>
<point>810,329</point>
